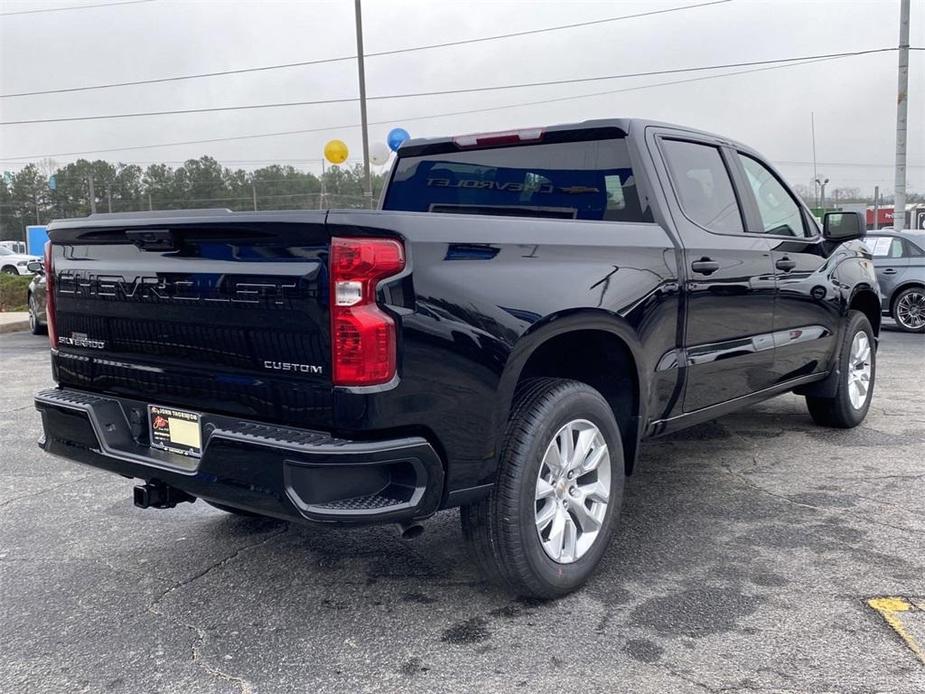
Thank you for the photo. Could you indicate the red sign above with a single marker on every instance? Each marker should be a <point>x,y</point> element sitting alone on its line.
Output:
<point>884,217</point>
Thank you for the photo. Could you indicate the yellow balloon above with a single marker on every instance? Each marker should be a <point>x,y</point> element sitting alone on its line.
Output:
<point>336,151</point>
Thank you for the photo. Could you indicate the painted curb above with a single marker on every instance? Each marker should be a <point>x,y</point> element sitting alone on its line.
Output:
<point>14,327</point>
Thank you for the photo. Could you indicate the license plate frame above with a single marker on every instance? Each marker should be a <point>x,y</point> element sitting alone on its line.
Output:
<point>174,430</point>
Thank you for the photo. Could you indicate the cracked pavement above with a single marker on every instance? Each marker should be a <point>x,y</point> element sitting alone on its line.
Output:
<point>747,550</point>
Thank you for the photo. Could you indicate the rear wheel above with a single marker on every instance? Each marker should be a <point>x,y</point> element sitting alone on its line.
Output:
<point>549,518</point>
<point>909,310</point>
<point>857,371</point>
<point>34,325</point>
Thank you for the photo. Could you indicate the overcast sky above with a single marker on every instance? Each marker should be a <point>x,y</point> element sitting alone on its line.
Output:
<point>854,99</point>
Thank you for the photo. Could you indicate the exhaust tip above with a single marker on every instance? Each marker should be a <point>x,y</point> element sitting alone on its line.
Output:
<point>409,530</point>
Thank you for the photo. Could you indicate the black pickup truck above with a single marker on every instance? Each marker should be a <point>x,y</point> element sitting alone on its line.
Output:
<point>523,309</point>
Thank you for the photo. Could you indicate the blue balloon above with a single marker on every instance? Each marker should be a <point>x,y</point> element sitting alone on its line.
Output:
<point>53,183</point>
<point>396,137</point>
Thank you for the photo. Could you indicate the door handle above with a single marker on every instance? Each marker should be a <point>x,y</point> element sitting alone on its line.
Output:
<point>889,271</point>
<point>705,266</point>
<point>785,264</point>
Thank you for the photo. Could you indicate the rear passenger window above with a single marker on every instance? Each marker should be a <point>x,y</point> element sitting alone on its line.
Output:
<point>703,185</point>
<point>780,213</point>
<point>911,250</point>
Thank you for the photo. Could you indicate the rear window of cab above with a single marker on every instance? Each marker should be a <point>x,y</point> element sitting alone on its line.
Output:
<point>591,179</point>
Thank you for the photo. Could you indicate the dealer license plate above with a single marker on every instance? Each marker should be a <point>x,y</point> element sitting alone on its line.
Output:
<point>175,430</point>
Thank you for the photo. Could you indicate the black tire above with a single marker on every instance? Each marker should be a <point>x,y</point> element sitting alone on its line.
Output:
<point>233,510</point>
<point>9,270</point>
<point>902,322</point>
<point>837,411</point>
<point>34,325</point>
<point>500,530</point>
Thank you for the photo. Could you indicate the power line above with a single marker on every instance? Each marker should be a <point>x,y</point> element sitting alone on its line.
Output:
<point>110,116</point>
<point>74,7</point>
<point>444,92</point>
<point>178,78</point>
<point>305,131</point>
<point>528,32</point>
<point>650,73</point>
<point>842,163</point>
<point>396,51</point>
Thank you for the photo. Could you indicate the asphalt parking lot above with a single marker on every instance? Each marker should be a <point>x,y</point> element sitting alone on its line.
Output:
<point>747,552</point>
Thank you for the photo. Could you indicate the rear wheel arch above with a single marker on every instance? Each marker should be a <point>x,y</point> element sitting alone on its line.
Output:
<point>865,300</point>
<point>597,349</point>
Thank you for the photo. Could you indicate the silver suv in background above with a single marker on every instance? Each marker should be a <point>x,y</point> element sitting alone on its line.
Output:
<point>899,258</point>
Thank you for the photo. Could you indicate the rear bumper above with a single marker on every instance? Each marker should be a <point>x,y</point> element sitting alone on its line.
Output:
<point>297,474</point>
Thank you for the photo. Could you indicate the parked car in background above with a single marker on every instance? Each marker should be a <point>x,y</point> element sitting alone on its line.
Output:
<point>899,258</point>
<point>38,321</point>
<point>13,263</point>
<point>15,246</point>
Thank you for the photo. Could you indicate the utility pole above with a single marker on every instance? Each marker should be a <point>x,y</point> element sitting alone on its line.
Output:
<point>150,205</point>
<point>254,192</point>
<point>368,192</point>
<point>876,207</point>
<point>812,126</point>
<point>821,184</point>
<point>92,197</point>
<point>109,197</point>
<point>902,102</point>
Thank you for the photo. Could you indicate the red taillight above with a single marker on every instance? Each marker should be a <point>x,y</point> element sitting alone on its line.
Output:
<point>362,335</point>
<point>50,297</point>
<point>509,137</point>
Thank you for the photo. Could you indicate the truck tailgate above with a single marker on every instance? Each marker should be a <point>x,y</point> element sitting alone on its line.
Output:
<point>226,317</point>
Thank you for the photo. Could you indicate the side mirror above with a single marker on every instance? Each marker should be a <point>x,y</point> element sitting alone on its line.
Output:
<point>843,226</point>
<point>36,267</point>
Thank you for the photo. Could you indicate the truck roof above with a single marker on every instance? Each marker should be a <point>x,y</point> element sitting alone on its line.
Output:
<point>626,126</point>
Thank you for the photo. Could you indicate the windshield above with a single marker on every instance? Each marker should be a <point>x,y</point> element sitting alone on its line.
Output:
<point>568,180</point>
<point>6,251</point>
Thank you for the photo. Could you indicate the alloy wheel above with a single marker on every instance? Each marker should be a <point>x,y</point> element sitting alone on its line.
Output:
<point>572,491</point>
<point>910,310</point>
<point>859,370</point>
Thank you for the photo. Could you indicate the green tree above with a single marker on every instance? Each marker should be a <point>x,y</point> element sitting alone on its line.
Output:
<point>127,189</point>
<point>158,186</point>
<point>284,187</point>
<point>201,182</point>
<point>29,194</point>
<point>9,223</point>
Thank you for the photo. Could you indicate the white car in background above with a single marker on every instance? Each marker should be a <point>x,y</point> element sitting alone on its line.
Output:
<point>12,263</point>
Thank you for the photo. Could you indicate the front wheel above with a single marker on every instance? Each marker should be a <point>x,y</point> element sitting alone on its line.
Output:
<point>857,369</point>
<point>909,310</point>
<point>549,518</point>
